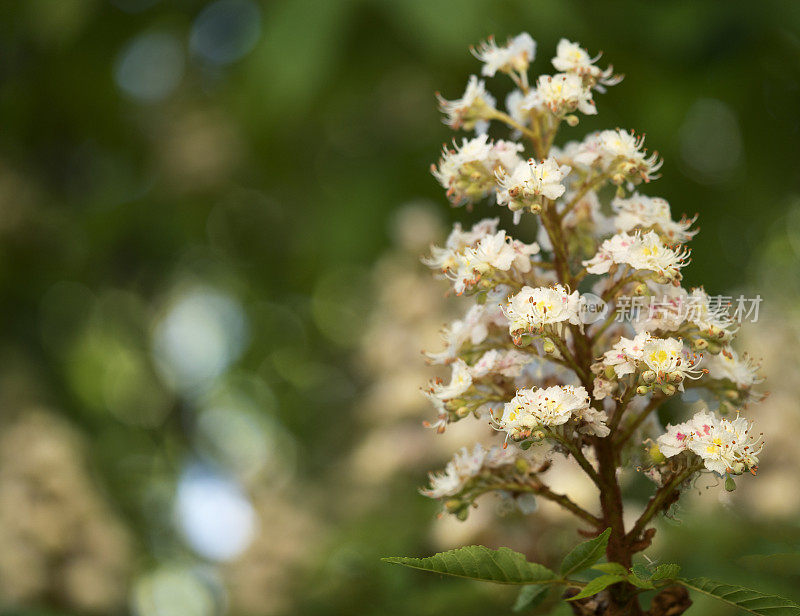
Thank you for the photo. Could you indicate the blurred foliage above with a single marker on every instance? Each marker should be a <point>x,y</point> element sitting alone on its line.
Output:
<point>248,156</point>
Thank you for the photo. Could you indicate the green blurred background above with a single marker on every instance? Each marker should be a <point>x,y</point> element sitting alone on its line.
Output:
<point>193,198</point>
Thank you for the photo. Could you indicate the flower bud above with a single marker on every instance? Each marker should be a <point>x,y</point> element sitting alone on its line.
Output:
<point>522,466</point>
<point>668,389</point>
<point>674,377</point>
<point>523,340</point>
<point>549,347</point>
<point>701,344</point>
<point>536,208</point>
<point>454,505</point>
<point>716,332</point>
<point>462,412</point>
<point>648,376</point>
<point>642,390</point>
<point>640,289</point>
<point>572,120</point>
<point>732,395</point>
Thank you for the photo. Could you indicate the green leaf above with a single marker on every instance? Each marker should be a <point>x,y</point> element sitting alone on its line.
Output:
<point>530,597</point>
<point>642,571</point>
<point>639,582</point>
<point>477,562</point>
<point>750,601</point>
<point>666,572</point>
<point>611,568</point>
<point>585,554</point>
<point>596,585</point>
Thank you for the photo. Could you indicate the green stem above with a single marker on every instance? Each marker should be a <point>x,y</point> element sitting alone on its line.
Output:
<point>507,119</point>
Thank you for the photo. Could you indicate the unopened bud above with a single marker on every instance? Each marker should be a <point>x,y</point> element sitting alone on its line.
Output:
<point>674,377</point>
<point>715,332</point>
<point>730,484</point>
<point>462,412</point>
<point>538,435</point>
<point>535,208</point>
<point>454,505</point>
<point>549,347</point>
<point>640,289</point>
<point>642,390</point>
<point>668,389</point>
<point>648,376</point>
<point>572,120</point>
<point>522,466</point>
<point>701,344</point>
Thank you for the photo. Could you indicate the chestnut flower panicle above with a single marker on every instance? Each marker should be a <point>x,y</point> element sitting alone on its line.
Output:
<point>542,354</point>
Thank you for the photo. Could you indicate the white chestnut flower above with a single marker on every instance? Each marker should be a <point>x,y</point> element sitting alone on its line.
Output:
<point>641,251</point>
<point>565,93</point>
<point>472,111</point>
<point>468,171</point>
<point>536,408</point>
<point>646,213</point>
<point>465,466</point>
<point>508,363</point>
<point>515,55</point>
<point>592,422</point>
<point>603,388</point>
<point>460,382</point>
<point>496,251</point>
<point>724,446</point>
<point>624,156</point>
<point>532,308</point>
<point>529,181</point>
<point>572,58</point>
<point>624,355</point>
<point>460,239</point>
<point>712,320</point>
<point>670,361</point>
<point>742,372</point>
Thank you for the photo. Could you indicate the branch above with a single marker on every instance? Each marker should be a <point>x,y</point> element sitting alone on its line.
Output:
<point>581,459</point>
<point>540,489</point>
<point>623,403</point>
<point>660,499</point>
